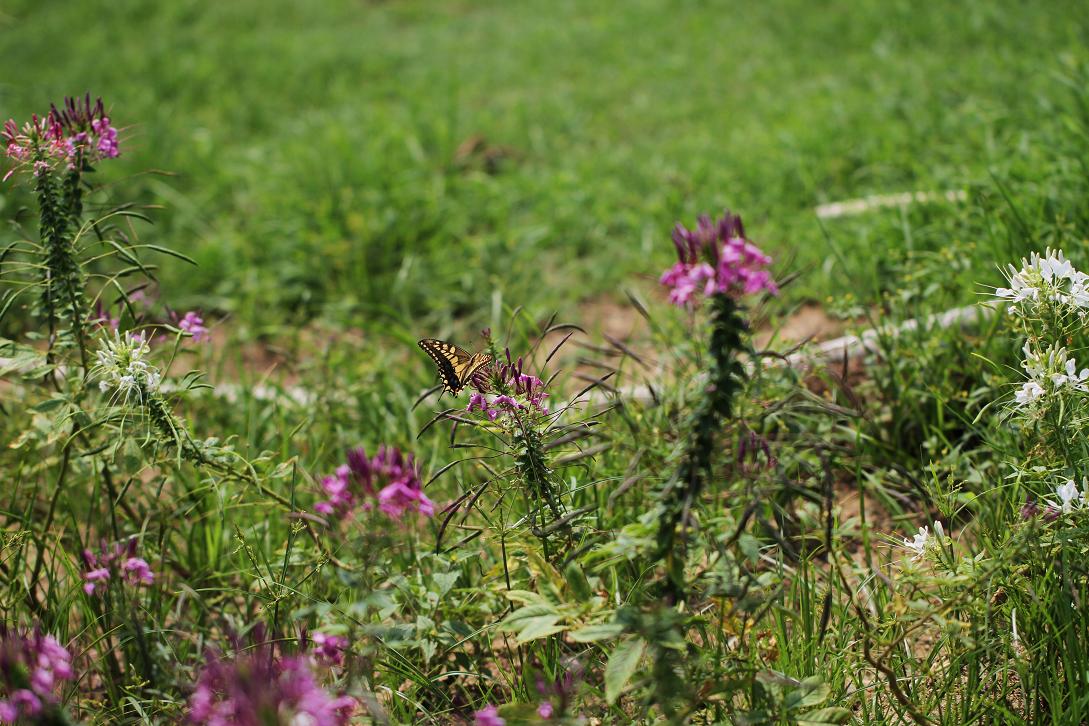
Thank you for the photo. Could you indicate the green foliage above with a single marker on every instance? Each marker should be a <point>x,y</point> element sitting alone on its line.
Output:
<point>694,533</point>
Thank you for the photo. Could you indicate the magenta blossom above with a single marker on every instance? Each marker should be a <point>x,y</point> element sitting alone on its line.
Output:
<point>87,131</point>
<point>117,562</point>
<point>39,145</point>
<point>79,133</point>
<point>258,684</point>
<point>715,258</point>
<point>31,665</point>
<point>328,649</point>
<point>193,324</point>
<point>488,716</point>
<point>516,391</point>
<point>389,476</point>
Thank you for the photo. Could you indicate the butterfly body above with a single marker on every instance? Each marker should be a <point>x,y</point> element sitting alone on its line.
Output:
<point>456,366</point>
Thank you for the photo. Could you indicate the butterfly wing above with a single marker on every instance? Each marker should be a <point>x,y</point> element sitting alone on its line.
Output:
<point>477,362</point>
<point>449,359</point>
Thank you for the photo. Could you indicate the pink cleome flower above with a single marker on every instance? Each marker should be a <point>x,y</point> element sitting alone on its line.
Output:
<point>193,324</point>
<point>488,716</point>
<point>354,484</point>
<point>715,258</point>
<point>258,682</point>
<point>524,392</point>
<point>71,136</point>
<point>31,666</point>
<point>118,561</point>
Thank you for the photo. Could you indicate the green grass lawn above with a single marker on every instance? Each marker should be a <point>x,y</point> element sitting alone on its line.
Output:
<point>312,148</point>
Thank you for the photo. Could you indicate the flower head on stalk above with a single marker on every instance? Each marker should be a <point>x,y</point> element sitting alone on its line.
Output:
<point>1070,498</point>
<point>515,390</point>
<point>67,137</point>
<point>122,365</point>
<point>715,258</point>
<point>1046,283</point>
<point>258,684</point>
<point>38,146</point>
<point>87,129</point>
<point>1050,372</point>
<point>117,563</point>
<point>390,476</point>
<point>31,665</point>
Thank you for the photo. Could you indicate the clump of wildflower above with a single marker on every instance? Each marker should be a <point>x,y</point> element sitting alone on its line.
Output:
<point>328,649</point>
<point>390,476</point>
<point>1070,498</point>
<point>193,324</point>
<point>258,687</point>
<point>515,390</point>
<point>715,258</point>
<point>119,562</point>
<point>31,665</point>
<point>1046,284</point>
<point>489,716</point>
<point>122,366</point>
<point>1049,372</point>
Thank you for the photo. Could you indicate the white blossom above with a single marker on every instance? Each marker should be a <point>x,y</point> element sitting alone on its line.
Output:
<point>1043,281</point>
<point>1070,497</point>
<point>918,544</point>
<point>122,366</point>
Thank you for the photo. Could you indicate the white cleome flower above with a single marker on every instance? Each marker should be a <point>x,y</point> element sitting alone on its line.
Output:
<point>122,366</point>
<point>1050,371</point>
<point>918,544</point>
<point>1043,281</point>
<point>1029,393</point>
<point>1070,497</point>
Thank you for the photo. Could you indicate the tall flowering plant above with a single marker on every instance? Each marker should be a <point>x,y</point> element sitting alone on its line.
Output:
<point>58,149</point>
<point>1047,302</point>
<point>512,404</point>
<point>717,265</point>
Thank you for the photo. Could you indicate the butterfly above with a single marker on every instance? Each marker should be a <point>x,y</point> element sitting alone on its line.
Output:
<point>456,366</point>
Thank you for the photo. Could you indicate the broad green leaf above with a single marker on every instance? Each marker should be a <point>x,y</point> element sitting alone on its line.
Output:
<point>811,692</point>
<point>538,627</point>
<point>825,717</point>
<point>594,633</point>
<point>621,666</point>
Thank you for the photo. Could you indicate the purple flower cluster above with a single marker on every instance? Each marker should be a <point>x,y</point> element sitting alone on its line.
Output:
<point>119,562</point>
<point>389,476</point>
<point>257,687</point>
<point>519,391</point>
<point>80,132</point>
<point>31,664</point>
<point>715,258</point>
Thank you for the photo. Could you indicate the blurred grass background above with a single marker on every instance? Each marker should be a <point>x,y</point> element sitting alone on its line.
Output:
<point>423,160</point>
